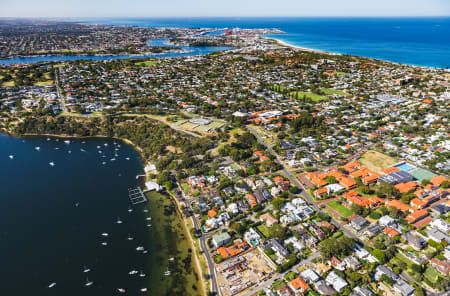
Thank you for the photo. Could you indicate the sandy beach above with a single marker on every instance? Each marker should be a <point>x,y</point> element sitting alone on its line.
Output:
<point>295,47</point>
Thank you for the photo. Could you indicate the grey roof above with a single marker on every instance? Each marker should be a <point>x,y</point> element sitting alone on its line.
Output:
<point>361,291</point>
<point>397,177</point>
<point>417,242</point>
<point>437,235</point>
<point>404,288</point>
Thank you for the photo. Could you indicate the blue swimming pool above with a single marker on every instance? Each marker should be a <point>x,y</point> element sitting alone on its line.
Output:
<point>405,167</point>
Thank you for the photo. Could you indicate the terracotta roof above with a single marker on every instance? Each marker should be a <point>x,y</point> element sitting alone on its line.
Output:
<point>398,205</point>
<point>212,213</point>
<point>299,283</point>
<point>415,216</point>
<point>389,170</point>
<point>391,232</point>
<point>437,181</point>
<point>406,187</point>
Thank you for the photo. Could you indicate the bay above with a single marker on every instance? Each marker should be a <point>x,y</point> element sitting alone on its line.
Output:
<point>52,220</point>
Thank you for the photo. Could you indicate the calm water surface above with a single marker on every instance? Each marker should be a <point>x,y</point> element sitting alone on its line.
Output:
<point>45,237</point>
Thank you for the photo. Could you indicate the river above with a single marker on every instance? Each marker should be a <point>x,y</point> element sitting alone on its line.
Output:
<point>53,217</point>
<point>185,51</point>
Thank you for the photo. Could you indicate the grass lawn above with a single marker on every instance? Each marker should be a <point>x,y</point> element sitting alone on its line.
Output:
<point>264,230</point>
<point>340,73</point>
<point>330,91</point>
<point>341,209</point>
<point>278,284</point>
<point>43,83</point>
<point>8,84</point>
<point>185,187</point>
<point>146,63</point>
<point>403,258</point>
<point>431,274</point>
<point>314,97</point>
<point>376,161</point>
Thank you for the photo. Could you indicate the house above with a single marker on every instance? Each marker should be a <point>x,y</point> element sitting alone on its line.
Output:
<point>212,213</point>
<point>440,224</point>
<point>310,275</point>
<point>391,232</point>
<point>416,242</point>
<point>416,216</point>
<point>324,289</point>
<point>437,235</point>
<point>298,285</point>
<point>268,219</point>
<point>386,221</point>
<point>403,288</point>
<point>352,262</point>
<point>242,206</point>
<point>358,222</point>
<point>233,209</point>
<point>221,239</point>
<point>361,291</point>
<point>251,199</point>
<point>277,247</point>
<point>336,281</point>
<point>442,266</point>
<point>383,269</point>
<point>284,291</point>
<point>437,181</point>
<point>153,186</point>
<point>372,230</point>
<point>252,237</point>
<point>296,244</point>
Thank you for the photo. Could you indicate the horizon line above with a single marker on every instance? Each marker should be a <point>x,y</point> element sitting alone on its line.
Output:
<point>212,16</point>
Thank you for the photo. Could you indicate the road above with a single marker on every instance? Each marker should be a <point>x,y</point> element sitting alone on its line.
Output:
<point>269,282</point>
<point>58,90</point>
<point>303,192</point>
<point>202,243</point>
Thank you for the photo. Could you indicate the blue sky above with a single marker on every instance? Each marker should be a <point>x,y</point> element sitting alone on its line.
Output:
<point>192,8</point>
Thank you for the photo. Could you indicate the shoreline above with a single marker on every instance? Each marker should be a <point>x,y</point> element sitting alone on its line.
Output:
<point>319,51</point>
<point>145,162</point>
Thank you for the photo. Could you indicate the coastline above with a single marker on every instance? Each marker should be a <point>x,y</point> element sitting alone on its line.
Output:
<point>319,51</point>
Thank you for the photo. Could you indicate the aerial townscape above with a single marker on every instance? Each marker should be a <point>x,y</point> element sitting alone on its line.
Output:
<point>293,171</point>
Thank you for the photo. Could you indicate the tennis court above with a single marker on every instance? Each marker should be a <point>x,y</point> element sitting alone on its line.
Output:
<point>421,174</point>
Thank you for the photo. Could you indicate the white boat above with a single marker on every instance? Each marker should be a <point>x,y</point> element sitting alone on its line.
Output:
<point>85,269</point>
<point>149,225</point>
<point>112,159</point>
<point>37,148</point>
<point>145,252</point>
<point>127,158</point>
<point>171,259</point>
<point>51,285</point>
<point>98,147</point>
<point>52,163</point>
<point>133,272</point>
<point>48,139</point>
<point>145,210</point>
<point>67,142</point>
<point>56,148</point>
<point>77,204</point>
<point>121,290</point>
<point>11,156</point>
<point>100,151</point>
<point>83,142</point>
<point>105,234</point>
<point>140,248</point>
<point>130,210</point>
<point>70,151</point>
<point>106,144</point>
<point>104,243</point>
<point>148,218</point>
<point>142,274</point>
<point>119,221</point>
<point>167,273</point>
<point>144,290</point>
<point>88,283</point>
<point>82,150</point>
<point>103,163</point>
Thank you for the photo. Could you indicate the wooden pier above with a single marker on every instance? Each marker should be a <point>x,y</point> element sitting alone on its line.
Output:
<point>136,196</point>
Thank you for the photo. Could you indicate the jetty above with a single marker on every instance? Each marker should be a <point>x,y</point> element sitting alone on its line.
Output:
<point>136,196</point>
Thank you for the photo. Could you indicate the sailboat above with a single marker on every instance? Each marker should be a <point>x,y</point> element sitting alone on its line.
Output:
<point>67,142</point>
<point>140,248</point>
<point>168,272</point>
<point>118,221</point>
<point>11,156</point>
<point>104,243</point>
<point>88,283</point>
<point>142,274</point>
<point>105,234</point>
<point>52,163</point>
<point>51,285</point>
<point>129,237</point>
<point>133,272</point>
<point>37,148</point>
<point>130,210</point>
<point>85,269</point>
<point>121,290</point>
<point>144,290</point>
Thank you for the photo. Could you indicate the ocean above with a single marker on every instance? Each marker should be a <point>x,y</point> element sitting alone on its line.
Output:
<point>53,217</point>
<point>415,41</point>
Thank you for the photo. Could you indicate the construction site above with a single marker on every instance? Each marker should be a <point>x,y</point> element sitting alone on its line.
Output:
<point>239,273</point>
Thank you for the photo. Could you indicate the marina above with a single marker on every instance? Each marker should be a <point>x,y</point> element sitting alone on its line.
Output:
<point>136,196</point>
